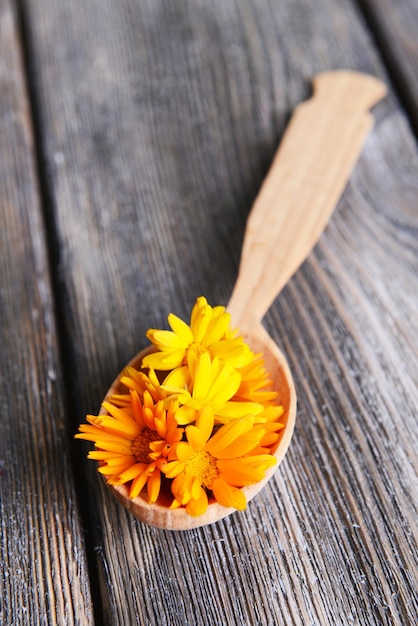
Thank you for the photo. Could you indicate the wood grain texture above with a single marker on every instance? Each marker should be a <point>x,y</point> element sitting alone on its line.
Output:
<point>43,575</point>
<point>159,122</point>
<point>394,25</point>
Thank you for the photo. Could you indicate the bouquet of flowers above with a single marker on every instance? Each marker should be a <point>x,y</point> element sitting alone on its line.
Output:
<point>199,419</point>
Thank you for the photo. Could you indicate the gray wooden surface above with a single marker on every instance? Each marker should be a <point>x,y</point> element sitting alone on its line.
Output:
<point>134,138</point>
<point>43,571</point>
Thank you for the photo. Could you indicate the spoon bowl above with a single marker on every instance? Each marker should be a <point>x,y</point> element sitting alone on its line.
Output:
<point>305,181</point>
<point>159,514</point>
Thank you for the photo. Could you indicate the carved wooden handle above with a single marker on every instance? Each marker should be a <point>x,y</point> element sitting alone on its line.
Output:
<point>309,172</point>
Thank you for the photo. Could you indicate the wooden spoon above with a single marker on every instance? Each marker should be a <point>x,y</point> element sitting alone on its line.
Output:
<point>306,179</point>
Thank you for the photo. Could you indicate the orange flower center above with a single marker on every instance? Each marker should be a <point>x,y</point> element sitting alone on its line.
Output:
<point>140,445</point>
<point>202,465</point>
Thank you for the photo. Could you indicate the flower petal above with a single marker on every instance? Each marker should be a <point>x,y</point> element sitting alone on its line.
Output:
<point>245,471</point>
<point>166,360</point>
<point>227,495</point>
<point>243,444</point>
<point>217,328</point>
<point>196,438</point>
<point>181,329</point>
<point>203,376</point>
<point>166,339</point>
<point>132,472</point>
<point>178,378</point>
<point>173,468</point>
<point>137,485</point>
<point>205,421</point>
<point>196,507</point>
<point>184,451</point>
<point>227,434</point>
<point>153,485</point>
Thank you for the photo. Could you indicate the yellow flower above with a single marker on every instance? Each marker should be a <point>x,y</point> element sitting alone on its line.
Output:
<point>209,331</point>
<point>133,441</point>
<point>213,384</point>
<point>219,463</point>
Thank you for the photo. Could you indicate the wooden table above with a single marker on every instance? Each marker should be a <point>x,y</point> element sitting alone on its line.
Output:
<point>134,138</point>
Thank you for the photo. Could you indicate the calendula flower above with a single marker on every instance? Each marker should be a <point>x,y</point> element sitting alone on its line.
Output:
<point>209,331</point>
<point>256,385</point>
<point>208,429</point>
<point>140,382</point>
<point>213,384</point>
<point>219,463</point>
<point>133,441</point>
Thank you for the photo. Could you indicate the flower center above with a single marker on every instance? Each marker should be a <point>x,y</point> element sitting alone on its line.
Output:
<point>194,351</point>
<point>140,445</point>
<point>202,465</point>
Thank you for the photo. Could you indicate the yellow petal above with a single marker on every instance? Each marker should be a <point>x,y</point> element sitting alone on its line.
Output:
<point>195,438</point>
<point>178,378</point>
<point>203,373</point>
<point>184,451</point>
<point>200,323</point>
<point>173,469</point>
<point>224,386</point>
<point>185,415</point>
<point>231,411</point>
<point>200,304</point>
<point>196,489</point>
<point>205,421</point>
<point>181,329</point>
<point>216,329</point>
<point>164,361</point>
<point>181,488</point>
<point>166,339</point>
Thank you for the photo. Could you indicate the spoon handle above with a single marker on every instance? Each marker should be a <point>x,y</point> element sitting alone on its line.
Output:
<point>308,174</point>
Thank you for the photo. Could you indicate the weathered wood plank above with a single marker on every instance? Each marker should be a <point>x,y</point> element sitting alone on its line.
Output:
<point>394,25</point>
<point>159,124</point>
<point>43,576</point>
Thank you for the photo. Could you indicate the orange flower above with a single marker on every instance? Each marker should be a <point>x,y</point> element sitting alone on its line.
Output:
<point>133,441</point>
<point>219,462</point>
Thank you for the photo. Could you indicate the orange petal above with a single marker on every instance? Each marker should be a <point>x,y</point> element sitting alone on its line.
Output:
<point>173,469</point>
<point>198,506</point>
<point>227,434</point>
<point>153,485</point>
<point>245,471</point>
<point>227,495</point>
<point>132,472</point>
<point>243,444</point>
<point>137,485</point>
